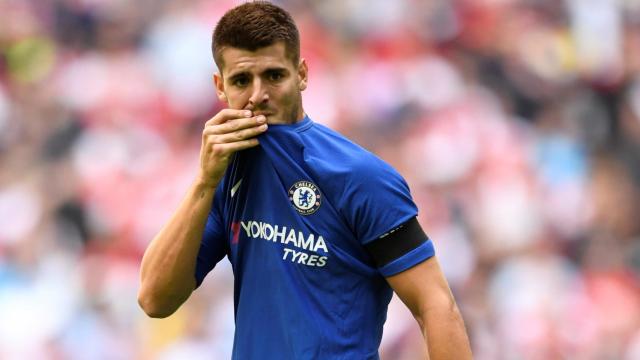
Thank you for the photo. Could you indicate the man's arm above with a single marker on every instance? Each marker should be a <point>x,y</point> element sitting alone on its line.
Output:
<point>425,291</point>
<point>168,266</point>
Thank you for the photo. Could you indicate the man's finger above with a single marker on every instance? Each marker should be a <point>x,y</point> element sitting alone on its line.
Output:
<point>239,135</point>
<point>234,125</point>
<point>228,114</point>
<point>241,145</point>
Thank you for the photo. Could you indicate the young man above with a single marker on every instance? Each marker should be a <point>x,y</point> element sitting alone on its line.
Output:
<point>318,230</point>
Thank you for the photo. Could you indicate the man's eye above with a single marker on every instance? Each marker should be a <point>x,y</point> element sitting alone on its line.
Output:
<point>241,81</point>
<point>275,76</point>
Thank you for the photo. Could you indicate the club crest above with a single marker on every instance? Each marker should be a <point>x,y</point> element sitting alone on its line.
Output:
<point>305,197</point>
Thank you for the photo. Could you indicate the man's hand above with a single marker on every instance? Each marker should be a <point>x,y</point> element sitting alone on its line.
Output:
<point>224,134</point>
<point>168,266</point>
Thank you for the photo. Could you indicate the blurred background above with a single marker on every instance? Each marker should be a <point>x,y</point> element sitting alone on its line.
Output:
<point>515,122</point>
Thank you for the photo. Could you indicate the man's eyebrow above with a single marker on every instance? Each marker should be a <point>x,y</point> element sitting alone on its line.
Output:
<point>275,69</point>
<point>242,73</point>
<point>238,74</point>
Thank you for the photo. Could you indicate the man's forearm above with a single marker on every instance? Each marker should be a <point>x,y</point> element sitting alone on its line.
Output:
<point>168,266</point>
<point>445,334</point>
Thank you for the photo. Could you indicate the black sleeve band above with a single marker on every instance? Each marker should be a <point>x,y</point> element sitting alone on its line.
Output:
<point>397,242</point>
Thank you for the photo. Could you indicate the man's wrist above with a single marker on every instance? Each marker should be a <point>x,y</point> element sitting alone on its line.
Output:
<point>206,181</point>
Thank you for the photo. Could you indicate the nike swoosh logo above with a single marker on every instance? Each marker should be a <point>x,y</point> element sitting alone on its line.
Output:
<point>235,187</point>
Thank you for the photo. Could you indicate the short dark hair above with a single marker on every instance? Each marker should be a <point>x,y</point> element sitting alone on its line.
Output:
<point>255,25</point>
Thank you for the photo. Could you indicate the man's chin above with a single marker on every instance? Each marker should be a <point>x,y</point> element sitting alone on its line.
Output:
<point>275,120</point>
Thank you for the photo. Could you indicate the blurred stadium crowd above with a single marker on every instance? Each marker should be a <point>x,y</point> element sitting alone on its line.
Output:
<point>515,122</point>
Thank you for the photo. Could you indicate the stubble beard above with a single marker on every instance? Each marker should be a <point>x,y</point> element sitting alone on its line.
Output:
<point>291,116</point>
<point>289,111</point>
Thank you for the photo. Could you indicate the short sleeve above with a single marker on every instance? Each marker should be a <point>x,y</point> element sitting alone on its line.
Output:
<point>376,201</point>
<point>214,242</point>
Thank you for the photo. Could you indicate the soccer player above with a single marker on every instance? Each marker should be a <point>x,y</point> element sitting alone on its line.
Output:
<point>319,231</point>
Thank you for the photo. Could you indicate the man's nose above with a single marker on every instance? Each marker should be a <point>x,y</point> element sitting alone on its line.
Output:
<point>259,95</point>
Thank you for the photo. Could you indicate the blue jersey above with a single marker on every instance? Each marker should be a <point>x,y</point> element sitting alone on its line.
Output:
<point>294,215</point>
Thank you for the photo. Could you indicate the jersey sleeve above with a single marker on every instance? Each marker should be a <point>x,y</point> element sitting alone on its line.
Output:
<point>382,214</point>
<point>214,245</point>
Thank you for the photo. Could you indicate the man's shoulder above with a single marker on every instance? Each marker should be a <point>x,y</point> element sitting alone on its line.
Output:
<point>339,152</point>
<point>342,163</point>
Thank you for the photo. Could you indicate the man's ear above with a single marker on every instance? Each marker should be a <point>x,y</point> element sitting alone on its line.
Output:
<point>303,73</point>
<point>219,83</point>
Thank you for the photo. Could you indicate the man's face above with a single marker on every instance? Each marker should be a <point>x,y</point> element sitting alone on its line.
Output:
<point>264,81</point>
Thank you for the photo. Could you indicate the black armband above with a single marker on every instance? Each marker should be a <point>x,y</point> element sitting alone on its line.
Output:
<point>397,242</point>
